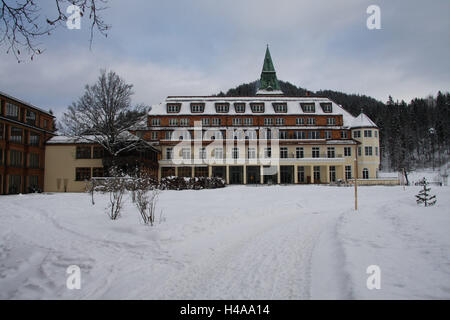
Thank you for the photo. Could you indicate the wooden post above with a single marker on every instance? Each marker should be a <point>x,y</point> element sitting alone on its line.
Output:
<point>356,184</point>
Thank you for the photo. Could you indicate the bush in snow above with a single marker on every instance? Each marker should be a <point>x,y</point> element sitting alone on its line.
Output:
<point>197,183</point>
<point>424,196</point>
<point>146,204</point>
<point>116,187</point>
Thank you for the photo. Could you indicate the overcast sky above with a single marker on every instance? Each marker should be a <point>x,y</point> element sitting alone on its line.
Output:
<point>200,47</point>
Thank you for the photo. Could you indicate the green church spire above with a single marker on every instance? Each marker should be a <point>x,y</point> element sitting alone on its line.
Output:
<point>269,81</point>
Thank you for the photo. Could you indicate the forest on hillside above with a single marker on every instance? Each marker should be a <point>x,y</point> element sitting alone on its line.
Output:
<point>412,135</point>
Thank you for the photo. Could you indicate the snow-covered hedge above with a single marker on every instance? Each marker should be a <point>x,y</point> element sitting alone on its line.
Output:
<point>197,183</point>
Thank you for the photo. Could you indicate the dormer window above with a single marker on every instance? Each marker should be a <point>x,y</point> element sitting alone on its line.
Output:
<point>280,107</point>
<point>173,107</point>
<point>257,107</point>
<point>308,107</point>
<point>239,107</point>
<point>222,107</point>
<point>30,117</point>
<point>326,107</point>
<point>197,107</point>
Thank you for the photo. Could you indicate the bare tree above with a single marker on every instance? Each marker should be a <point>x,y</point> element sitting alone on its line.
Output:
<point>104,115</point>
<point>22,24</point>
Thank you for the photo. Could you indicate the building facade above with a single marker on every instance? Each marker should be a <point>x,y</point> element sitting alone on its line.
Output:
<point>266,138</point>
<point>24,129</point>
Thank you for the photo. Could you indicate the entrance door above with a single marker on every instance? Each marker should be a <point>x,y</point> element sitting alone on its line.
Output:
<point>236,173</point>
<point>286,174</point>
<point>253,175</point>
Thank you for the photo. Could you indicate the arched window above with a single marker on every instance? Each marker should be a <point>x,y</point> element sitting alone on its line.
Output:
<point>365,173</point>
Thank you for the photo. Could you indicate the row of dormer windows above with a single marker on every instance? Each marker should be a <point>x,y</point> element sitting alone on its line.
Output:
<point>256,107</point>
<point>27,116</point>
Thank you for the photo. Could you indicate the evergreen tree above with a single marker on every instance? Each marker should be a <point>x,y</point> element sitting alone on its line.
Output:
<point>424,195</point>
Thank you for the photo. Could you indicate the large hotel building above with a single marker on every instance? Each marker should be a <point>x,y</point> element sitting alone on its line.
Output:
<point>266,138</point>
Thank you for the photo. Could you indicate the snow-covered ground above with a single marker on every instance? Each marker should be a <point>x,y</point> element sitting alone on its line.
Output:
<point>240,242</point>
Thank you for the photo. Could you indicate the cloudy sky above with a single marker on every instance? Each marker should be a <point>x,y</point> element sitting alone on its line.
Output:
<point>200,47</point>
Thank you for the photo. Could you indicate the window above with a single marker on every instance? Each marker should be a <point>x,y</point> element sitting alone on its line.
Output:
<point>202,153</point>
<point>97,152</point>
<point>197,107</point>
<point>15,158</point>
<point>12,110</point>
<point>368,151</point>
<point>308,107</point>
<point>310,121</point>
<point>376,150</point>
<point>332,173</point>
<point>268,152</point>
<point>328,135</point>
<point>33,182</point>
<point>367,133</point>
<point>173,122</point>
<point>283,134</point>
<point>280,107</point>
<point>236,121</point>
<point>218,153</point>
<point>184,122</point>
<point>359,151</point>
<point>15,183</point>
<point>365,173</point>
<point>216,121</point>
<point>222,107</point>
<point>257,107</point>
<point>280,121</point>
<point>82,174</point>
<point>34,139</point>
<point>184,171</point>
<point>169,153</point>
<point>235,153</point>
<point>347,152</point>
<point>186,153</point>
<point>300,135</point>
<point>299,152</point>
<point>33,161</point>
<point>316,152</point>
<point>83,152</point>
<point>331,121</point>
<point>97,172</point>
<point>314,135</point>
<point>268,121</point>
<point>251,134</point>
<point>156,122</point>
<point>248,121</point>
<point>45,124</point>
<point>1,158</point>
<point>301,174</point>
<point>168,135</point>
<point>299,121</point>
<point>317,173</point>
<point>326,107</point>
<point>331,153</point>
<point>2,131</point>
<point>268,134</point>
<point>376,133</point>
<point>283,152</point>
<point>154,135</point>
<point>239,107</point>
<point>173,107</point>
<point>348,172</point>
<point>252,153</point>
<point>30,117</point>
<point>344,134</point>
<point>16,135</point>
<point>205,122</point>
<point>357,134</point>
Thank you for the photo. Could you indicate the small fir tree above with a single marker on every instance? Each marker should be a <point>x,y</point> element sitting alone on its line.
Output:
<point>424,195</point>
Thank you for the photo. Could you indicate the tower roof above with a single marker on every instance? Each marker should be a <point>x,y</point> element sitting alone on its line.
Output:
<point>269,82</point>
<point>363,121</point>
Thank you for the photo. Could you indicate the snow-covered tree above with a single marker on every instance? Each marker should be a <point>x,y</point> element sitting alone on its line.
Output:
<point>424,196</point>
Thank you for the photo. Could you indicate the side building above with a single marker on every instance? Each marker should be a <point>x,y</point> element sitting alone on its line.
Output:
<point>24,129</point>
<point>266,138</point>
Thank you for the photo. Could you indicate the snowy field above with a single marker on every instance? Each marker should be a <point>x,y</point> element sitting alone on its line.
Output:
<point>240,242</point>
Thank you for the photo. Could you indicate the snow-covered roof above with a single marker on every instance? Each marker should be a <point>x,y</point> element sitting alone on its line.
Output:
<point>87,139</point>
<point>293,106</point>
<point>26,103</point>
<point>362,121</point>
